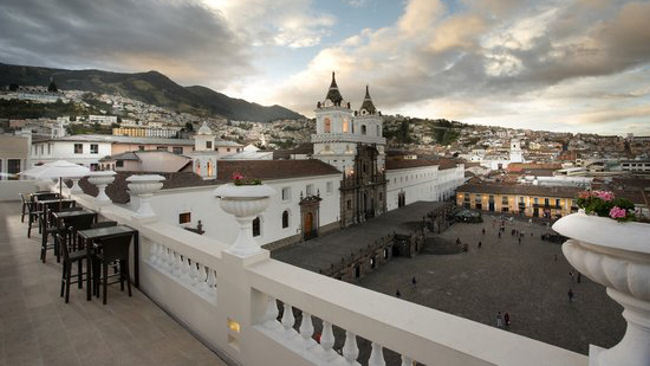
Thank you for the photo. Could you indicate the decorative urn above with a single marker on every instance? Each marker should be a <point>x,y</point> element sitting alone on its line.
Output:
<point>616,255</point>
<point>245,202</point>
<point>102,179</point>
<point>144,186</point>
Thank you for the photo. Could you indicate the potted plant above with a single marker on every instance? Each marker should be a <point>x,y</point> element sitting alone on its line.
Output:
<point>244,198</point>
<point>615,254</point>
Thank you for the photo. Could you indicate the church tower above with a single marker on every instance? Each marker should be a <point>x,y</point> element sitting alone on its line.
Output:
<point>516,155</point>
<point>353,143</point>
<point>333,141</point>
<point>204,157</point>
<point>369,121</point>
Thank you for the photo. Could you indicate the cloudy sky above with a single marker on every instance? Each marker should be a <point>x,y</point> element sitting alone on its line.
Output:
<point>563,65</point>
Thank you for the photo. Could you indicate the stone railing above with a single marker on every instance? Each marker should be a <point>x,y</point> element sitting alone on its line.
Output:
<point>253,310</point>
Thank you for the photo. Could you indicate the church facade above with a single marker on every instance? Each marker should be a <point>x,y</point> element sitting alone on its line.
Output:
<point>353,142</point>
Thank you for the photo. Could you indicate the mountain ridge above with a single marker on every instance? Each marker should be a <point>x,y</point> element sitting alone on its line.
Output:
<point>150,87</point>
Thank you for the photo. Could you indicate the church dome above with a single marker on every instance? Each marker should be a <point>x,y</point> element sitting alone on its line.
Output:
<point>205,130</point>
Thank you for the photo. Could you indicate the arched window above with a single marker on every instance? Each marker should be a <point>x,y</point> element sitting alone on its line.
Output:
<point>378,131</point>
<point>256,227</point>
<point>209,169</point>
<point>285,219</point>
<point>328,125</point>
<point>198,167</point>
<point>363,129</point>
<point>346,126</point>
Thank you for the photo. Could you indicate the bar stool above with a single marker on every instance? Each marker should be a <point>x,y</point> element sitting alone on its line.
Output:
<point>108,251</point>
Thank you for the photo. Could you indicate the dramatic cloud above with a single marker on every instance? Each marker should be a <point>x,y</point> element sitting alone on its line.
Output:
<point>554,64</point>
<point>183,39</point>
<point>480,63</point>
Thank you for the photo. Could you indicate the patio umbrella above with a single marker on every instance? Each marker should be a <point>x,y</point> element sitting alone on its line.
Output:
<point>57,169</point>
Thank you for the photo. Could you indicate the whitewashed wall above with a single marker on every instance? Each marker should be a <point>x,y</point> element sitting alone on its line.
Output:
<point>64,150</point>
<point>426,183</point>
<point>202,204</point>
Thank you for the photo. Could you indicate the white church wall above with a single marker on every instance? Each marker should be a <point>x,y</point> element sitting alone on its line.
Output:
<point>202,204</point>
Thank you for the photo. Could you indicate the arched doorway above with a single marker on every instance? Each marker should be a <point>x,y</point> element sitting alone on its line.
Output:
<point>308,225</point>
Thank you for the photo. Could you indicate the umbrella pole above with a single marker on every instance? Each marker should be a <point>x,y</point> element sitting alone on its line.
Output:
<point>60,192</point>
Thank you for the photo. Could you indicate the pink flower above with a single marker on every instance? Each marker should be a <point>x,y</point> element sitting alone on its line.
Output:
<point>584,194</point>
<point>617,212</point>
<point>605,195</point>
<point>237,176</point>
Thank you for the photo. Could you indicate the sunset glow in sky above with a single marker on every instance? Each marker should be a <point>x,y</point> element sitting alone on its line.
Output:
<point>563,65</point>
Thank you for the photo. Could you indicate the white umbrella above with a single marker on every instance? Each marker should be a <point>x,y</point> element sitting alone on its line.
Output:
<point>57,169</point>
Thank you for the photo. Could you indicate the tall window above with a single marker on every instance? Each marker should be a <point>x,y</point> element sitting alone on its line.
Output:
<point>346,126</point>
<point>161,148</point>
<point>286,193</point>
<point>94,149</point>
<point>363,129</point>
<point>256,227</point>
<point>209,169</point>
<point>177,150</point>
<point>285,219</point>
<point>78,148</point>
<point>208,144</point>
<point>328,125</point>
<point>141,148</point>
<point>309,190</point>
<point>329,187</point>
<point>49,149</point>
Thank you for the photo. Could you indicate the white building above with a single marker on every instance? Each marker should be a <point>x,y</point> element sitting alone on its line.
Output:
<point>102,120</point>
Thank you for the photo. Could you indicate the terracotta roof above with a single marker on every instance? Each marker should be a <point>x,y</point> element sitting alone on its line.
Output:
<point>393,164</point>
<point>518,167</point>
<point>274,169</point>
<point>531,190</point>
<point>262,169</point>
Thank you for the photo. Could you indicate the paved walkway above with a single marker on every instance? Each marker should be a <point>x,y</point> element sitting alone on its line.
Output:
<point>523,280</point>
<point>321,252</point>
<point>38,328</point>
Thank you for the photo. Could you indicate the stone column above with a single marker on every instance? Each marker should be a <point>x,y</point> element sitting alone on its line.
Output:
<point>616,255</point>
<point>144,186</point>
<point>102,179</point>
<point>245,202</point>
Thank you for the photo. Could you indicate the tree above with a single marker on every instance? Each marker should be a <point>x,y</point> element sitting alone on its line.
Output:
<point>189,127</point>
<point>52,87</point>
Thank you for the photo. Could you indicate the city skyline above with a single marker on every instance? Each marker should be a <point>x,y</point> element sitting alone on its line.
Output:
<point>562,66</point>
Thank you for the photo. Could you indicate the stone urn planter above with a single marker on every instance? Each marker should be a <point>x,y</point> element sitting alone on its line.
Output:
<point>245,202</point>
<point>144,186</point>
<point>616,255</point>
<point>101,180</point>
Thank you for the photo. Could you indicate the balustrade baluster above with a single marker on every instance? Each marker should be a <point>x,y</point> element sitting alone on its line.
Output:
<point>212,279</point>
<point>288,321</point>
<point>271,315</point>
<point>177,265</point>
<point>350,349</point>
<point>377,355</point>
<point>307,330</point>
<point>327,341</point>
<point>407,361</point>
<point>153,247</point>
<point>203,278</point>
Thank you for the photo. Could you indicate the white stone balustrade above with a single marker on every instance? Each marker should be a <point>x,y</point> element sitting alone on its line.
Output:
<point>616,255</point>
<point>192,274</point>
<point>102,179</point>
<point>184,272</point>
<point>144,186</point>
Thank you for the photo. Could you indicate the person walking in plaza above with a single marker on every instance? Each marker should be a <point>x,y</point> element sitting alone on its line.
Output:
<point>570,294</point>
<point>479,244</point>
<point>571,275</point>
<point>398,294</point>
<point>519,239</point>
<point>414,281</point>
<point>483,231</point>
<point>506,319</point>
<point>499,320</point>
<point>579,278</point>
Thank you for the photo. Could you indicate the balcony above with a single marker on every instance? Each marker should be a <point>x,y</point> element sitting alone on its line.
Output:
<point>251,309</point>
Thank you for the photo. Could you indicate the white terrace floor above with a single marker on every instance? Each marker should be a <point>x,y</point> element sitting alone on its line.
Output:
<point>38,328</point>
